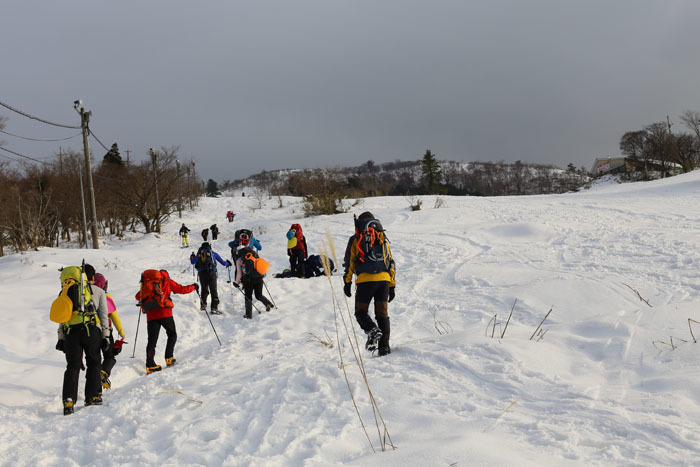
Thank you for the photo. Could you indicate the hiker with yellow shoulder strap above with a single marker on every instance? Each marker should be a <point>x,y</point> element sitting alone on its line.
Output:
<point>82,332</point>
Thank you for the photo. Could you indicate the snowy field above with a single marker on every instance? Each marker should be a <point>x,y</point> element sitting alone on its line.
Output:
<point>611,378</point>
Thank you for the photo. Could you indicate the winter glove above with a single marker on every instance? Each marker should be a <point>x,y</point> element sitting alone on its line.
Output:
<point>236,285</point>
<point>105,345</point>
<point>117,347</point>
<point>61,345</point>
<point>392,294</point>
<point>196,287</point>
<point>347,289</point>
<point>228,264</point>
<point>192,256</point>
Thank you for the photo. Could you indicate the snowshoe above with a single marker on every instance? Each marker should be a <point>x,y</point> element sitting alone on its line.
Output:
<point>68,407</point>
<point>203,307</point>
<point>170,361</point>
<point>94,400</point>
<point>215,312</point>
<point>248,316</point>
<point>106,383</point>
<point>153,369</point>
<point>373,337</point>
<point>268,307</point>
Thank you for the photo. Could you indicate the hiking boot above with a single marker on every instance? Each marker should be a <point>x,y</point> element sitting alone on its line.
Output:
<point>94,400</point>
<point>106,383</point>
<point>373,337</point>
<point>268,307</point>
<point>203,307</point>
<point>170,361</point>
<point>214,311</point>
<point>68,406</point>
<point>153,369</point>
<point>384,350</point>
<point>248,316</point>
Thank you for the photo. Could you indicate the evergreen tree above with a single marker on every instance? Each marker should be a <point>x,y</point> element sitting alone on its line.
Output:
<point>431,172</point>
<point>212,189</point>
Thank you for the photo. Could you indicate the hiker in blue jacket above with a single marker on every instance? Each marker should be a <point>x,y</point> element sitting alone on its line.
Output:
<point>205,262</point>
<point>243,237</point>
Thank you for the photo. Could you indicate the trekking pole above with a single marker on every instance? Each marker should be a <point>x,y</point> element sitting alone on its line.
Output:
<point>138,322</point>
<point>251,300</point>
<point>229,274</point>
<point>209,317</point>
<point>268,292</point>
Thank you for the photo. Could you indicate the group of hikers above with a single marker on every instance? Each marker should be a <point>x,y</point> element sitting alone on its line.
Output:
<point>86,326</point>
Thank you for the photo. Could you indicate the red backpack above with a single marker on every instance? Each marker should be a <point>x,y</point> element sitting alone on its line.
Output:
<point>152,295</point>
<point>297,232</point>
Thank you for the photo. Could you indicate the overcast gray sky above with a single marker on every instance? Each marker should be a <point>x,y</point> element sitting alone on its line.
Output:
<point>259,85</point>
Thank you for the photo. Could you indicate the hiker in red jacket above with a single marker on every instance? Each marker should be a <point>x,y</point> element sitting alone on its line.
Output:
<point>159,312</point>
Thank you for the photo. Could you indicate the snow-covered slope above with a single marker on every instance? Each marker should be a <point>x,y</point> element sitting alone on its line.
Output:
<point>600,385</point>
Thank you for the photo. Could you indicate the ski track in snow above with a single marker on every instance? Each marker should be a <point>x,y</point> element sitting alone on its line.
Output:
<point>597,389</point>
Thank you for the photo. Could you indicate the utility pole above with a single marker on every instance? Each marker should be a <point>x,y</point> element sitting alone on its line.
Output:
<point>84,120</point>
<point>128,152</point>
<point>82,204</point>
<point>155,179</point>
<point>179,194</point>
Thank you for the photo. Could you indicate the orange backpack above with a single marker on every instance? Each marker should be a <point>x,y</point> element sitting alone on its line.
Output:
<point>152,296</point>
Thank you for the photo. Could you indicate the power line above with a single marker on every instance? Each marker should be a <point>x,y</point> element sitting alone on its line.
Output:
<point>22,155</point>
<point>35,139</point>
<point>97,139</point>
<point>37,118</point>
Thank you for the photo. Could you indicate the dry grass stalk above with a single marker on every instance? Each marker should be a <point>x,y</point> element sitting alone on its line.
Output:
<point>328,342</point>
<point>175,391</point>
<point>662,342</point>
<point>691,329</point>
<point>440,327</point>
<point>500,415</point>
<point>509,316</point>
<point>639,295</point>
<point>351,334</point>
<point>540,325</point>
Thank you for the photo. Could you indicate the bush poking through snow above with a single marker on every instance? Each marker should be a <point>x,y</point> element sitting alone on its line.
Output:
<point>414,202</point>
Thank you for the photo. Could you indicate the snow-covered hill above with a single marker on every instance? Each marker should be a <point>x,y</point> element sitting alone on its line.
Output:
<point>610,380</point>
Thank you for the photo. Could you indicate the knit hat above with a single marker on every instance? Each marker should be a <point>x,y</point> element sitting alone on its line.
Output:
<point>100,281</point>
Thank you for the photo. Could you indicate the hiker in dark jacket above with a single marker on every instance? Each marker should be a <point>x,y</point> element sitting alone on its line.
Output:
<point>297,251</point>
<point>205,262</point>
<point>184,234</point>
<point>214,232</point>
<point>252,282</point>
<point>205,234</point>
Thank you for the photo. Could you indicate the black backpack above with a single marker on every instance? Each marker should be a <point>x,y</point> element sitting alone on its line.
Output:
<point>249,270</point>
